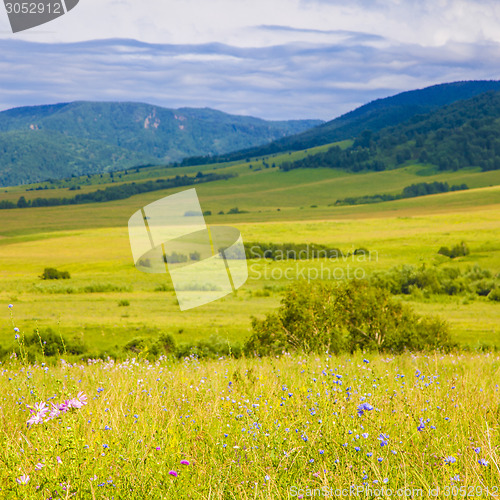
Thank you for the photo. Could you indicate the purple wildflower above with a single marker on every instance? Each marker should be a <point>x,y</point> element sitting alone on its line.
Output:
<point>364,407</point>
<point>383,438</point>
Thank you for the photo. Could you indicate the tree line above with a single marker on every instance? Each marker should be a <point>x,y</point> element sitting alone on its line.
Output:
<point>119,192</point>
<point>413,191</point>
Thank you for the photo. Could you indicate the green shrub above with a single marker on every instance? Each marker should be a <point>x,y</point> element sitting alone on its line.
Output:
<point>236,210</point>
<point>211,348</point>
<point>494,295</point>
<point>459,250</point>
<point>49,344</point>
<point>104,288</point>
<point>49,273</point>
<point>167,343</point>
<point>484,287</point>
<point>315,317</point>
<point>436,280</point>
<point>137,345</point>
<point>149,347</point>
<point>123,303</point>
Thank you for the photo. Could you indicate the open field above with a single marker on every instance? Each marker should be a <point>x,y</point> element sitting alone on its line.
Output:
<point>99,261</point>
<point>417,426</point>
<point>271,195</point>
<point>91,243</point>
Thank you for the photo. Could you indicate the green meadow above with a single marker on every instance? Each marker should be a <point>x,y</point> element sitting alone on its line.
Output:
<point>91,243</point>
<point>292,426</point>
<point>406,426</point>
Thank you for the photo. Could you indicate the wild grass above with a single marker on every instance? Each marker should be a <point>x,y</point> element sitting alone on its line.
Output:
<point>254,428</point>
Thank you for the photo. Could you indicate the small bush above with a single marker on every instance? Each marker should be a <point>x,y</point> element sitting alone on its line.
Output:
<point>361,251</point>
<point>137,345</point>
<point>211,348</point>
<point>459,250</point>
<point>167,343</point>
<point>103,288</point>
<point>47,343</point>
<point>50,273</point>
<point>123,303</point>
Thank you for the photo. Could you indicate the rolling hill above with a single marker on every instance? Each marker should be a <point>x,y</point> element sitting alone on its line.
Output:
<point>461,135</point>
<point>374,116</point>
<point>61,140</point>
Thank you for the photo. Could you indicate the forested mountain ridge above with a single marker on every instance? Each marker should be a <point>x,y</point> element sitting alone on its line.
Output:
<point>60,140</point>
<point>463,134</point>
<point>373,116</point>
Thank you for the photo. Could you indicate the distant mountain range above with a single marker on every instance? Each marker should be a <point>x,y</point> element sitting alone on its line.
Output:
<point>373,116</point>
<point>78,138</point>
<point>61,140</point>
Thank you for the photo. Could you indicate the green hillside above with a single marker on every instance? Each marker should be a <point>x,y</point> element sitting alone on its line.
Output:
<point>41,142</point>
<point>373,116</point>
<point>462,135</point>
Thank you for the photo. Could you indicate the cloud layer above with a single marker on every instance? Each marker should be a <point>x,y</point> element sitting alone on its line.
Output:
<point>294,80</point>
<point>277,60</point>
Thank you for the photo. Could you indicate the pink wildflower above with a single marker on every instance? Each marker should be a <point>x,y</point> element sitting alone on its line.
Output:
<point>64,406</point>
<point>78,402</point>
<point>23,479</point>
<point>54,412</point>
<point>38,413</point>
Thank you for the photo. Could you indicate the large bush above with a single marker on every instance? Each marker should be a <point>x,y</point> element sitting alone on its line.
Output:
<point>344,317</point>
<point>445,280</point>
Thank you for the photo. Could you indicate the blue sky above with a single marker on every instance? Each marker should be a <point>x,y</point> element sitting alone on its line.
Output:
<point>276,59</point>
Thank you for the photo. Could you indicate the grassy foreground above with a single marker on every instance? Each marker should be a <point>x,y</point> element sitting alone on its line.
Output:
<point>255,428</point>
